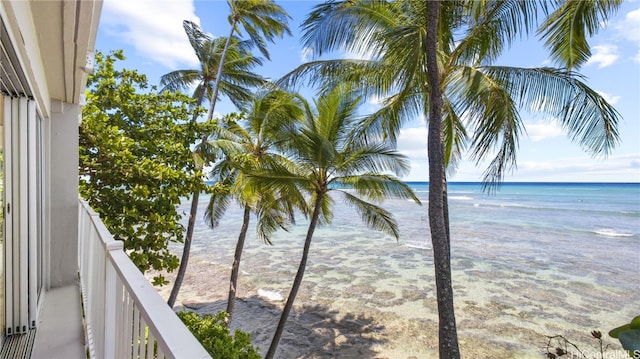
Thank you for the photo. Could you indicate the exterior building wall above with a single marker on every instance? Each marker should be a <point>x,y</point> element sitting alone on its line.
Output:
<point>50,43</point>
<point>63,198</point>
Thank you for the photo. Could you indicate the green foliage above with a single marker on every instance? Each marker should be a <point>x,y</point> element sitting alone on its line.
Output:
<point>215,337</point>
<point>136,161</point>
<point>629,336</point>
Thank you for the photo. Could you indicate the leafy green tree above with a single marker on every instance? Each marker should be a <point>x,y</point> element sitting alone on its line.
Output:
<point>249,145</point>
<point>235,81</point>
<point>329,158</point>
<point>213,334</point>
<point>135,161</point>
<point>480,101</point>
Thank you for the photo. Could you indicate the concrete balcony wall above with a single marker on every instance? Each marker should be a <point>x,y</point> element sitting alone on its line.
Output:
<point>63,196</point>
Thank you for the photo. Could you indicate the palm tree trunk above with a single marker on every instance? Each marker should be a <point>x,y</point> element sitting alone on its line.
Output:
<point>194,202</point>
<point>445,206</point>
<point>235,268</point>
<point>447,333</point>
<point>298,279</point>
<point>185,251</point>
<point>188,236</point>
<point>216,85</point>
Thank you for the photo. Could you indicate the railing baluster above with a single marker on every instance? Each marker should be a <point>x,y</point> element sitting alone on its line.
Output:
<point>136,332</point>
<point>143,338</point>
<point>151,343</point>
<point>128,324</point>
<point>125,317</point>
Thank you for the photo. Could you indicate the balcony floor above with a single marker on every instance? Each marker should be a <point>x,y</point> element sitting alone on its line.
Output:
<point>59,332</point>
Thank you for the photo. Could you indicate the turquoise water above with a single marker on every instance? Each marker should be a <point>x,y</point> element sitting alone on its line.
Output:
<point>534,259</point>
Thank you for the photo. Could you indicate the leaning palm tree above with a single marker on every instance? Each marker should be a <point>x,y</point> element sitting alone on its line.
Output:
<point>480,101</point>
<point>236,81</point>
<point>237,78</point>
<point>263,21</point>
<point>247,147</point>
<point>330,159</point>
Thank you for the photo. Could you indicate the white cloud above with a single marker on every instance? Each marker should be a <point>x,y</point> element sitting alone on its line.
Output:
<point>412,142</point>
<point>153,28</point>
<point>582,169</point>
<point>611,99</point>
<point>539,131</point>
<point>624,167</point>
<point>629,28</point>
<point>603,55</point>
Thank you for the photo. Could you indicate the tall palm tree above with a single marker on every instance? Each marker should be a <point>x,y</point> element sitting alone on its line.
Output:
<point>247,147</point>
<point>263,20</point>
<point>330,159</point>
<point>235,82</point>
<point>480,101</point>
<point>438,218</point>
<point>237,78</point>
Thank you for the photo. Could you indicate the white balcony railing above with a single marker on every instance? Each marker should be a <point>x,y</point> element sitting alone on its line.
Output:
<point>124,315</point>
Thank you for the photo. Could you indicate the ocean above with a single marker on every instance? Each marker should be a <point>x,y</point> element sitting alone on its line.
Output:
<point>530,261</point>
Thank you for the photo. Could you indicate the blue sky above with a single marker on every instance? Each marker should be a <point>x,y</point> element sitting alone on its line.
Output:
<point>150,33</point>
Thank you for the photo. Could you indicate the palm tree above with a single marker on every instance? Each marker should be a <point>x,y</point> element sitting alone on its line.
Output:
<point>330,159</point>
<point>263,20</point>
<point>247,148</point>
<point>438,216</point>
<point>480,101</point>
<point>235,82</point>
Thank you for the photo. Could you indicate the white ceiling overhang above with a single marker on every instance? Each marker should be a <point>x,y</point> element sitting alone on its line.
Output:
<point>51,41</point>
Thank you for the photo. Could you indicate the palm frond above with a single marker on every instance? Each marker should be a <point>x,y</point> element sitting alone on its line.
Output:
<point>591,121</point>
<point>582,112</point>
<point>281,178</point>
<point>396,110</point>
<point>376,187</point>
<point>326,209</point>
<point>273,214</point>
<point>179,80</point>
<point>374,157</point>
<point>374,216</point>
<point>348,26</point>
<point>262,20</point>
<point>218,205</point>
<point>494,25</point>
<point>566,29</point>
<point>491,110</point>
<point>197,37</point>
<point>455,135</point>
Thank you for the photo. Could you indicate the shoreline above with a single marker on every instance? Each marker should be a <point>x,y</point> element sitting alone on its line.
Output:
<point>526,265</point>
<point>353,329</point>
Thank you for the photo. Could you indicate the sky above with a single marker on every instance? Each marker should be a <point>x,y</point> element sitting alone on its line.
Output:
<point>151,34</point>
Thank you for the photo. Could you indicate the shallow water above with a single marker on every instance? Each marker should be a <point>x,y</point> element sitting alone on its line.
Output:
<point>531,261</point>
